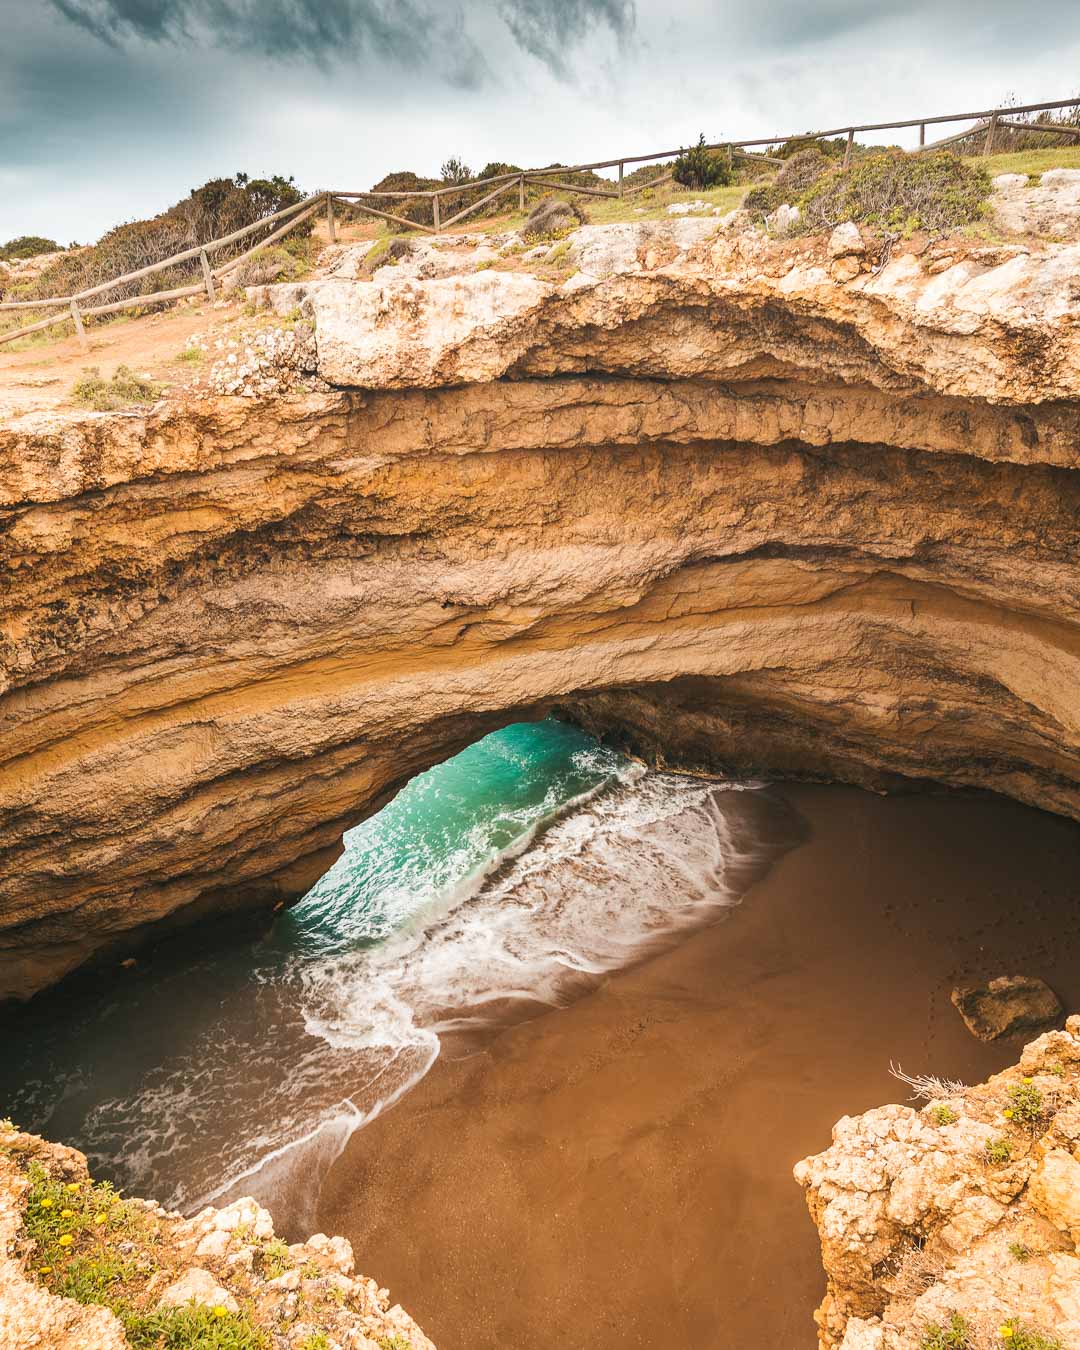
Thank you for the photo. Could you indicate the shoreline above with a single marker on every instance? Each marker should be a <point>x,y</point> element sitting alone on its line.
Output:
<point>619,1174</point>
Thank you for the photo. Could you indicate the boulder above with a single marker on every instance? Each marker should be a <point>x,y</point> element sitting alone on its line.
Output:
<point>1004,181</point>
<point>551,214</point>
<point>846,241</point>
<point>1011,1003</point>
<point>1054,1191</point>
<point>783,219</point>
<point>197,1286</point>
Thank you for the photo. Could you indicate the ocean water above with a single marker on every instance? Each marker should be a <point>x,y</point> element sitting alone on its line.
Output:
<point>505,881</point>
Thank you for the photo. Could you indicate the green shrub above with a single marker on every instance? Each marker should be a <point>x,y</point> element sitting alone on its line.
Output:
<point>192,1328</point>
<point>896,191</point>
<point>217,208</point>
<point>700,168</point>
<point>998,1152</point>
<point>1027,1104</point>
<point>124,389</point>
<point>455,171</point>
<point>797,175</point>
<point>941,1114</point>
<point>28,246</point>
<point>1020,1251</point>
<point>1018,1337</point>
<point>956,1336</point>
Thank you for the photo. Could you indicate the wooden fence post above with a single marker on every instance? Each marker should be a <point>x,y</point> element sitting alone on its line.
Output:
<point>922,135</point>
<point>621,167</point>
<point>988,148</point>
<point>521,193</point>
<point>435,209</point>
<point>77,317</point>
<point>208,276</point>
<point>847,148</point>
<point>331,228</point>
<point>731,157</point>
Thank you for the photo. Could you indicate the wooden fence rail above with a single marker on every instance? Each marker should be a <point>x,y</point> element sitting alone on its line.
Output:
<point>71,308</point>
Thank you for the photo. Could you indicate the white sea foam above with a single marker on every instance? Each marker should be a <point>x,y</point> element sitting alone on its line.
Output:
<point>292,1063</point>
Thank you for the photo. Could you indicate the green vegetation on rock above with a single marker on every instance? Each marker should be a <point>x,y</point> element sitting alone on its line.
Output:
<point>956,1336</point>
<point>124,389</point>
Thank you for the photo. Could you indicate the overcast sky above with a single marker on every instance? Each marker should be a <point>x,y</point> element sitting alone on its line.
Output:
<point>112,109</point>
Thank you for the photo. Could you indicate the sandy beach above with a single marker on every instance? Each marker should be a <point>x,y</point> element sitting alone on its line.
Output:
<point>618,1173</point>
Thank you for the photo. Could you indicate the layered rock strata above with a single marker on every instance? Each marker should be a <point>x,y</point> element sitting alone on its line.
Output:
<point>743,508</point>
<point>961,1217</point>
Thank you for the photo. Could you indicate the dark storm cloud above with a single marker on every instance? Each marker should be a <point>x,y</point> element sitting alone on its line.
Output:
<point>547,29</point>
<point>407,31</point>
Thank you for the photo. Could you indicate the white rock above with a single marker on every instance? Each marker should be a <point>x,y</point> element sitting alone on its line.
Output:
<point>197,1286</point>
<point>783,219</point>
<point>1004,181</point>
<point>846,241</point>
<point>215,1243</point>
<point>1057,178</point>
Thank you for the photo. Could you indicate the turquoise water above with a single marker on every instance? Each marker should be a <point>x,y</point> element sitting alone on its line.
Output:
<point>504,881</point>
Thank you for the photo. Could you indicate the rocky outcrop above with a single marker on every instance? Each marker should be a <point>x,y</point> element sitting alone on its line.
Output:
<point>1006,1006</point>
<point>707,495</point>
<point>134,1267</point>
<point>963,1215</point>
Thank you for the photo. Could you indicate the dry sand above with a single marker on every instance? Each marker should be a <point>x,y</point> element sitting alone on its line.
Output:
<point>618,1174</point>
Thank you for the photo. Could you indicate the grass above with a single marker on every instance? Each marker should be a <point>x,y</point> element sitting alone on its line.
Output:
<point>956,1336</point>
<point>124,389</point>
<point>77,1228</point>
<point>193,1329</point>
<point>191,356</point>
<point>1029,161</point>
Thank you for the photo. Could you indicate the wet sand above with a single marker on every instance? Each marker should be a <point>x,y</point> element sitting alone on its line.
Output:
<point>618,1174</point>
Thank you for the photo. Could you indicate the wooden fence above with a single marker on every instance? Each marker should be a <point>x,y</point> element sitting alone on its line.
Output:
<point>986,125</point>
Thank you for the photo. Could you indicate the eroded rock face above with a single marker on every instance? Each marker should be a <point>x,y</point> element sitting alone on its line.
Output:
<point>956,1210</point>
<point>224,1261</point>
<point>736,511</point>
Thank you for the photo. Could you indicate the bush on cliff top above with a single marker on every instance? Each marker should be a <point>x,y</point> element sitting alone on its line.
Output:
<point>935,192</point>
<point>892,191</point>
<point>28,246</point>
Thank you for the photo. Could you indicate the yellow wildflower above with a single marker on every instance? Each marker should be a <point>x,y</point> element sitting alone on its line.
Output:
<point>100,1218</point>
<point>47,1203</point>
<point>220,1310</point>
<point>1006,1331</point>
<point>44,1270</point>
<point>66,1240</point>
<point>1027,1080</point>
<point>72,1186</point>
<point>1007,1113</point>
<point>67,1213</point>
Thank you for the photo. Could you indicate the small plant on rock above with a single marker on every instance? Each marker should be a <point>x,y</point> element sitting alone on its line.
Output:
<point>1027,1106</point>
<point>124,389</point>
<point>1020,1251</point>
<point>942,1114</point>
<point>1018,1337</point>
<point>998,1152</point>
<point>955,1336</point>
<point>275,1258</point>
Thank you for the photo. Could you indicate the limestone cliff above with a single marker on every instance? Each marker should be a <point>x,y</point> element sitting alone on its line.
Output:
<point>805,509</point>
<point>960,1218</point>
<point>82,1269</point>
